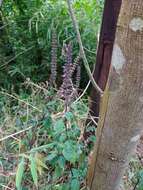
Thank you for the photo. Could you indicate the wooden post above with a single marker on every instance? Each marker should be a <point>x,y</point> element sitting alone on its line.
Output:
<point>104,53</point>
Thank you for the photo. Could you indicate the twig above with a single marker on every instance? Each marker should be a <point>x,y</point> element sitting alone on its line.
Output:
<point>6,187</point>
<point>36,85</point>
<point>14,134</point>
<point>93,120</point>
<point>82,92</point>
<point>76,27</point>
<point>14,97</point>
<point>90,51</point>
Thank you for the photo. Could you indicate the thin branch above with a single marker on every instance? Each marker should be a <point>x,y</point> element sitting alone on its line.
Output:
<point>76,27</point>
<point>96,124</point>
<point>14,134</point>
<point>14,97</point>
<point>90,51</point>
<point>83,93</point>
<point>29,82</point>
<point>6,187</point>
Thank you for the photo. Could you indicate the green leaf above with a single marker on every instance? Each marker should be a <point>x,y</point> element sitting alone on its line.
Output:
<point>61,162</point>
<point>69,152</point>
<point>33,169</point>
<point>59,126</point>
<point>92,138</point>
<point>19,174</point>
<point>51,156</point>
<point>140,186</point>
<point>91,128</point>
<point>57,187</point>
<point>47,122</point>
<point>75,184</point>
<point>65,187</point>
<point>43,147</point>
<point>75,173</point>
<point>74,134</point>
<point>69,116</point>
<point>24,118</point>
<point>58,172</point>
<point>140,176</point>
<point>62,137</point>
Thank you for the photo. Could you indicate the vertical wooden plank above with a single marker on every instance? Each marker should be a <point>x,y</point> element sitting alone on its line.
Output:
<point>104,53</point>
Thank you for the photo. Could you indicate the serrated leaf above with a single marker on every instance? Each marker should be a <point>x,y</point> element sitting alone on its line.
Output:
<point>33,169</point>
<point>19,174</point>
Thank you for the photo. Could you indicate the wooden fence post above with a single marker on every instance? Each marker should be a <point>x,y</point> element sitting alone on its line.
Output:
<point>104,53</point>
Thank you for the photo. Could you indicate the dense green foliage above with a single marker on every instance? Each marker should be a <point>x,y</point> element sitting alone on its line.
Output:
<point>41,141</point>
<point>48,152</point>
<point>25,29</point>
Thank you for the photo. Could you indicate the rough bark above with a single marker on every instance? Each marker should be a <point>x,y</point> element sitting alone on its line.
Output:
<point>120,126</point>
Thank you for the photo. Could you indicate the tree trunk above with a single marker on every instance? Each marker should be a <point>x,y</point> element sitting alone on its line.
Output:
<point>120,127</point>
